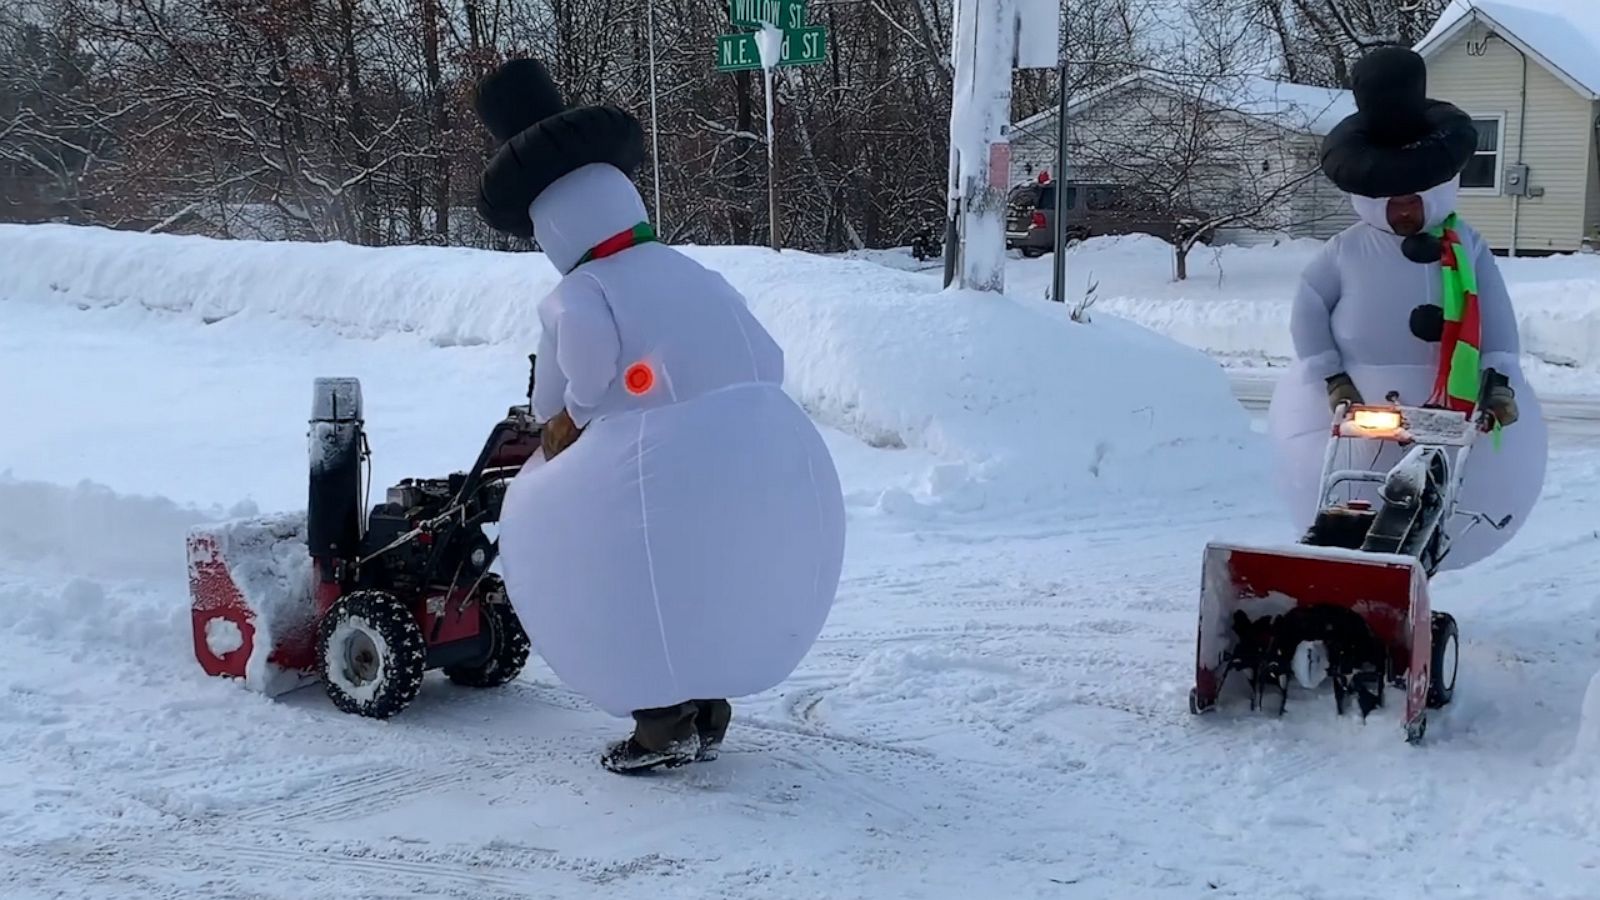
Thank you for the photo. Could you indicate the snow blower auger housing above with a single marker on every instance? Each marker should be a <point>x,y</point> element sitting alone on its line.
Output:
<point>365,603</point>
<point>1349,603</point>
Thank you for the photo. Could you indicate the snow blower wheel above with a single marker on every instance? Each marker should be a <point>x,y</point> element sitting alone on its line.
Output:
<point>371,654</point>
<point>1446,656</point>
<point>508,648</point>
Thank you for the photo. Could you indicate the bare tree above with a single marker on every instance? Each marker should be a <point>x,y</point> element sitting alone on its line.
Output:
<point>348,120</point>
<point>1208,146</point>
<point>1318,40</point>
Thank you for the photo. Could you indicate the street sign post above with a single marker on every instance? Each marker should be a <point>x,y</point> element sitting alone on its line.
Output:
<point>804,46</point>
<point>776,21</point>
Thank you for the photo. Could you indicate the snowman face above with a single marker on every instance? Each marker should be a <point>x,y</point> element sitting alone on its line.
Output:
<point>1405,214</point>
<point>1408,214</point>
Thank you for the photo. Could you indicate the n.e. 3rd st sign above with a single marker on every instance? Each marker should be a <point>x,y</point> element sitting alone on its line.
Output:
<point>801,47</point>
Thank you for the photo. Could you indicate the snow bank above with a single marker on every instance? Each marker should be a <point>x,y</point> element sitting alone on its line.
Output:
<point>1587,750</point>
<point>1015,402</point>
<point>450,296</point>
<point>87,555</point>
<point>1236,300</point>
<point>92,531</point>
<point>1022,403</point>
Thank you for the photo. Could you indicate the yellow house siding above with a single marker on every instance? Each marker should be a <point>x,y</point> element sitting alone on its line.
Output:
<point>1592,218</point>
<point>1483,74</point>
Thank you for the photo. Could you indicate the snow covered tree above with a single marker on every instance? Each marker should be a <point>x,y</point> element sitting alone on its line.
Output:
<point>1204,145</point>
<point>1318,40</point>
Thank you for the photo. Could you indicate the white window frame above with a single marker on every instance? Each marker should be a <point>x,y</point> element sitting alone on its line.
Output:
<point>1499,157</point>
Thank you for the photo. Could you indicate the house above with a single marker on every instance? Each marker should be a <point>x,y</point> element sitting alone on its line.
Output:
<point>1528,71</point>
<point>1242,150</point>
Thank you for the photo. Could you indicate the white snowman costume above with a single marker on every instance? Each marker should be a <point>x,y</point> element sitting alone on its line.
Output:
<point>1352,314</point>
<point>689,544</point>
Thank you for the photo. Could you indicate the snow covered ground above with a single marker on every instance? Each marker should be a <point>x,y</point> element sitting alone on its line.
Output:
<point>997,707</point>
<point>1235,303</point>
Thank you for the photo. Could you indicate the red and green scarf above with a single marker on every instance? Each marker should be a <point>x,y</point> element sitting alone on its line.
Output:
<point>641,233</point>
<point>1460,376</point>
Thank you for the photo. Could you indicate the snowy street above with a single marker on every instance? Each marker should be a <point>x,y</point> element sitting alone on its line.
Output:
<point>997,706</point>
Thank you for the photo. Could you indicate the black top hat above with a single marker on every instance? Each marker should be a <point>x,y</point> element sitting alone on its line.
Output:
<point>541,140</point>
<point>1398,141</point>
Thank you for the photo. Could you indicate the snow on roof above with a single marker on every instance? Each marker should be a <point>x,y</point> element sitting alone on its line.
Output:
<point>1298,107</point>
<point>1564,34</point>
<point>1302,107</point>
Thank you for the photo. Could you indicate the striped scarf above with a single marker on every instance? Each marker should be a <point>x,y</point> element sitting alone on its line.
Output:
<point>641,233</point>
<point>1460,377</point>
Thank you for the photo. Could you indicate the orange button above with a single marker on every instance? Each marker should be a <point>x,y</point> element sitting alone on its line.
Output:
<point>639,378</point>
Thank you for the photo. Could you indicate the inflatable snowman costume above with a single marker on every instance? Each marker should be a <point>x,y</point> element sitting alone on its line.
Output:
<point>687,547</point>
<point>1373,308</point>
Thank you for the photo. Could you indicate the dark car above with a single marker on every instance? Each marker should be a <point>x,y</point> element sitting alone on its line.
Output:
<point>1093,209</point>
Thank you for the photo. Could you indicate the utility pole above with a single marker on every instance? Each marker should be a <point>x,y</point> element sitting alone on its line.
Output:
<point>984,52</point>
<point>1058,269</point>
<point>991,38</point>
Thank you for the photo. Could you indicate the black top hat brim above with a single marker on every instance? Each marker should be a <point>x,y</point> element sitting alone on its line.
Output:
<point>534,158</point>
<point>1361,158</point>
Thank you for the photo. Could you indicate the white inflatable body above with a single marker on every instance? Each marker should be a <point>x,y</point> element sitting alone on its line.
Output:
<point>1352,314</point>
<point>689,545</point>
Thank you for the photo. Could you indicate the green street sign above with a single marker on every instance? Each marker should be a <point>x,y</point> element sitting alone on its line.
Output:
<point>801,47</point>
<point>756,13</point>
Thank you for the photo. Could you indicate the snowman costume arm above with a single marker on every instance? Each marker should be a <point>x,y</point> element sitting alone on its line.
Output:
<point>1501,345</point>
<point>580,351</point>
<point>1311,318</point>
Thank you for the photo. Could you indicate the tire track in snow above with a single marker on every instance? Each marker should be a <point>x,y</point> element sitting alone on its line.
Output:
<point>389,869</point>
<point>353,796</point>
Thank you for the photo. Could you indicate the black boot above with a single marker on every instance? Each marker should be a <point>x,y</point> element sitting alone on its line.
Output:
<point>711,723</point>
<point>661,737</point>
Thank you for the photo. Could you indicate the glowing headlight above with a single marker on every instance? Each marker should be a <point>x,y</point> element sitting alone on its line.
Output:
<point>1376,420</point>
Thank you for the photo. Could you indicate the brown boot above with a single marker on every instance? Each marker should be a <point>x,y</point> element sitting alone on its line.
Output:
<point>661,737</point>
<point>711,723</point>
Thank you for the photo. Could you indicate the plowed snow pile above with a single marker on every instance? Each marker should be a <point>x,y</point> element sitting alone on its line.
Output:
<point>1236,301</point>
<point>1014,403</point>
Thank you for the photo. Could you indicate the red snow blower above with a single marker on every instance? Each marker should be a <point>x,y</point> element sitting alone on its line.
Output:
<point>1349,603</point>
<point>365,604</point>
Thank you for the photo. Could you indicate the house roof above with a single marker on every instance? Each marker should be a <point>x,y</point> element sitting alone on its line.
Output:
<point>1563,35</point>
<point>1295,107</point>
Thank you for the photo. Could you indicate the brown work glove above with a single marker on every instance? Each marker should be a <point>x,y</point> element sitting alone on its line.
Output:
<point>558,434</point>
<point>1342,390</point>
<point>1500,400</point>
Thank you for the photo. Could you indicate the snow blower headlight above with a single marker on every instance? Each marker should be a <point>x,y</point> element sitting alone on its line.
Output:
<point>1376,421</point>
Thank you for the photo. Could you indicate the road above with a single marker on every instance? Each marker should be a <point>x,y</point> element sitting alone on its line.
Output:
<point>1567,414</point>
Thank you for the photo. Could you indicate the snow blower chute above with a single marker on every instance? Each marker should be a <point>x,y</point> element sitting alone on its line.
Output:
<point>1349,603</point>
<point>367,603</point>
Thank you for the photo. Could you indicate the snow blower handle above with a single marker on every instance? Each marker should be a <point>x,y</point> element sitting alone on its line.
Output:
<point>1482,416</point>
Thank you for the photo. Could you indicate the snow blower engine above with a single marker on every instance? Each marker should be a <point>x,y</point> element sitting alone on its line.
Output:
<point>1349,603</point>
<point>367,604</point>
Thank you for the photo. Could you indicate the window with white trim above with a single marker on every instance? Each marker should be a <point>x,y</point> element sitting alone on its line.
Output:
<point>1483,170</point>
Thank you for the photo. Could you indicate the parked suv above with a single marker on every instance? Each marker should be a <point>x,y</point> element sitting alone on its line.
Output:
<point>1093,209</point>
